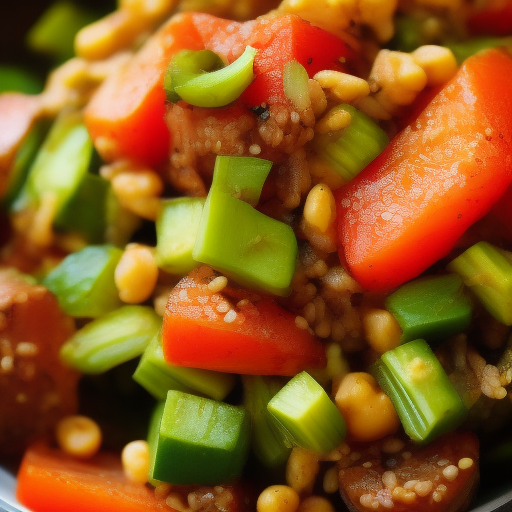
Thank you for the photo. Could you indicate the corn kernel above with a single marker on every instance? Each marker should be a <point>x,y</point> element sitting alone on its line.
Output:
<point>135,460</point>
<point>78,436</point>
<point>320,207</point>
<point>438,62</point>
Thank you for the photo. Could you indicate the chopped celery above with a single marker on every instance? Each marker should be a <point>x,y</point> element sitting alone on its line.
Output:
<point>200,441</point>
<point>85,212</point>
<point>54,32</point>
<point>15,79</point>
<point>268,441</point>
<point>157,376</point>
<point>431,308</point>
<point>241,177</point>
<point>308,417</point>
<point>196,78</point>
<point>152,438</point>
<point>24,159</point>
<point>469,47</point>
<point>261,255</point>
<point>176,230</point>
<point>426,401</point>
<point>351,149</point>
<point>84,281</point>
<point>113,339</point>
<point>487,271</point>
<point>121,223</point>
<point>408,34</point>
<point>295,83</point>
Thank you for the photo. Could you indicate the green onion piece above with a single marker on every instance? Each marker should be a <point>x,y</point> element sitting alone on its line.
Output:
<point>200,441</point>
<point>469,47</point>
<point>111,340</point>
<point>54,32</point>
<point>152,439</point>
<point>262,255</point>
<point>487,271</point>
<point>195,78</point>
<point>16,79</point>
<point>176,230</point>
<point>426,401</point>
<point>350,150</point>
<point>157,376</point>
<point>307,416</point>
<point>241,177</point>
<point>408,34</point>
<point>121,223</point>
<point>295,83</point>
<point>431,308</point>
<point>268,442</point>
<point>84,282</point>
<point>24,160</point>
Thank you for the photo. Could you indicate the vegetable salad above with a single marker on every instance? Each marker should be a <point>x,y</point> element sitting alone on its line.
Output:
<point>258,256</point>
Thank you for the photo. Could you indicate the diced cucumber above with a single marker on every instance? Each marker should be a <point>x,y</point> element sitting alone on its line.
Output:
<point>351,149</point>
<point>200,441</point>
<point>268,441</point>
<point>157,376</point>
<point>113,339</point>
<point>307,415</point>
<point>84,281</point>
<point>431,308</point>
<point>17,79</point>
<point>487,271</point>
<point>426,401</point>
<point>176,231</point>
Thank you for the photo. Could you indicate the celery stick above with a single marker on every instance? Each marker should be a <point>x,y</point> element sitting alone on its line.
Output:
<point>157,376</point>
<point>84,281</point>
<point>426,401</point>
<point>200,441</point>
<point>307,415</point>
<point>487,271</point>
<point>113,339</point>
<point>269,444</point>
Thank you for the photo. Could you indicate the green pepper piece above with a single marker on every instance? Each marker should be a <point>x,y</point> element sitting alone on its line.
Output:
<point>157,376</point>
<point>152,439</point>
<point>113,339</point>
<point>85,212</point>
<point>487,271</point>
<point>23,160</point>
<point>426,401</point>
<point>261,255</point>
<point>200,441</point>
<point>84,281</point>
<point>431,308</point>
<point>350,150</point>
<point>176,230</point>
<point>469,47</point>
<point>242,177</point>
<point>268,442</point>
<point>54,32</point>
<point>196,78</point>
<point>307,416</point>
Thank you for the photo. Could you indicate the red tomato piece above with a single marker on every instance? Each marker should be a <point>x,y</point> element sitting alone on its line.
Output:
<point>234,331</point>
<point>495,19</point>
<point>126,115</point>
<point>439,175</point>
<point>440,477</point>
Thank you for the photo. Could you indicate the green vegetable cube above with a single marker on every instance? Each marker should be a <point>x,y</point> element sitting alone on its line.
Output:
<point>307,415</point>
<point>426,401</point>
<point>112,339</point>
<point>84,281</point>
<point>176,230</point>
<point>487,271</point>
<point>157,376</point>
<point>431,308</point>
<point>200,441</point>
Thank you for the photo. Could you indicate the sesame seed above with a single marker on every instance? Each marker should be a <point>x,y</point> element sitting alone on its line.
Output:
<point>441,488</point>
<point>367,465</point>
<point>366,500</point>
<point>6,364</point>
<point>223,307</point>
<point>410,484</point>
<point>437,497</point>
<point>294,116</point>
<point>355,456</point>
<point>389,479</point>
<point>406,455</point>
<point>423,488</point>
<point>443,462</point>
<point>344,449</point>
<point>465,463</point>
<point>451,472</point>
<point>392,445</point>
<point>26,348</point>
<point>230,316</point>
<point>254,149</point>
<point>218,284</point>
